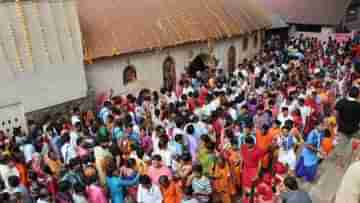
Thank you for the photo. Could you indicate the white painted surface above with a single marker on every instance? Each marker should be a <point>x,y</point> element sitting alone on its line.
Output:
<point>12,116</point>
<point>40,54</point>
<point>108,73</point>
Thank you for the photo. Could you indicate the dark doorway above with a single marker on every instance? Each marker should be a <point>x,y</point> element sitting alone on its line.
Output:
<point>231,59</point>
<point>169,73</point>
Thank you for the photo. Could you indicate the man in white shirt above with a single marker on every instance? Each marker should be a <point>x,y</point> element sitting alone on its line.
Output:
<point>28,150</point>
<point>105,111</point>
<point>148,192</point>
<point>290,104</point>
<point>75,134</point>
<point>284,116</point>
<point>75,116</point>
<point>155,137</point>
<point>233,113</point>
<point>304,110</point>
<point>68,151</point>
<point>187,88</point>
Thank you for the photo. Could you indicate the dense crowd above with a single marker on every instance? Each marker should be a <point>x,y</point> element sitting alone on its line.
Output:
<point>254,134</point>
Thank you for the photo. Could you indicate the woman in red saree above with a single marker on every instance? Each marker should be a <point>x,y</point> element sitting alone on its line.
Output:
<point>251,164</point>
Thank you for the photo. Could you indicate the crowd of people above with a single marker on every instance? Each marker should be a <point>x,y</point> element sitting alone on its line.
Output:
<point>255,134</point>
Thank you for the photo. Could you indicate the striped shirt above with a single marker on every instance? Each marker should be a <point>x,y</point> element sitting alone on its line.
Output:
<point>202,185</point>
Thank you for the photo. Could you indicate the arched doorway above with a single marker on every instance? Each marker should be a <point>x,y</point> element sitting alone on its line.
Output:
<point>201,63</point>
<point>256,40</point>
<point>245,43</point>
<point>129,74</point>
<point>231,59</point>
<point>169,73</point>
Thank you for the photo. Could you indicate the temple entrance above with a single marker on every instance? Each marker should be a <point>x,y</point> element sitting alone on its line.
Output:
<point>231,59</point>
<point>202,62</point>
<point>169,73</point>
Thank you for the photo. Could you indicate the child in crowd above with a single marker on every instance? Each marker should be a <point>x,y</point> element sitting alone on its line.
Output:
<point>200,184</point>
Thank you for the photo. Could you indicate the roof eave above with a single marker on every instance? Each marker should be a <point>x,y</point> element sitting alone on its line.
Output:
<point>146,50</point>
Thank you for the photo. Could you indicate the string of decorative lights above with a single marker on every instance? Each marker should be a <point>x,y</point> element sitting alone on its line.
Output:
<point>36,12</point>
<point>27,41</point>
<point>18,62</point>
<point>67,25</point>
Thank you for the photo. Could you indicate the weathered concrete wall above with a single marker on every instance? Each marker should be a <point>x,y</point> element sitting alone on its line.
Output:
<point>64,109</point>
<point>108,73</point>
<point>41,56</point>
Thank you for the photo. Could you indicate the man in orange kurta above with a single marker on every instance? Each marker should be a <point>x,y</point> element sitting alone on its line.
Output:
<point>170,190</point>
<point>275,130</point>
<point>264,141</point>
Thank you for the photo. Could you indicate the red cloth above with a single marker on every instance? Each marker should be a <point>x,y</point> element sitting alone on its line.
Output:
<point>265,191</point>
<point>279,168</point>
<point>130,107</point>
<point>201,100</point>
<point>355,145</point>
<point>52,186</point>
<point>217,127</point>
<point>251,161</point>
<point>179,90</point>
<point>356,50</point>
<point>191,104</point>
<point>297,121</point>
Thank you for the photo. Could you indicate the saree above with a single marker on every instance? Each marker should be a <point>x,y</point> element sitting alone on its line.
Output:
<point>223,183</point>
<point>333,169</point>
<point>234,157</point>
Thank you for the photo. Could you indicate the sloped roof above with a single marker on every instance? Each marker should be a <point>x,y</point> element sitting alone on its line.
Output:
<point>124,26</point>
<point>312,12</point>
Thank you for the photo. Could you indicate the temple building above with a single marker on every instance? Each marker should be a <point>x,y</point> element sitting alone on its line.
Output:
<point>132,44</point>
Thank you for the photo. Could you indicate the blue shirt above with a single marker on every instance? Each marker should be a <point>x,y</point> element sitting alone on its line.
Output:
<point>55,144</point>
<point>104,113</point>
<point>117,133</point>
<point>176,148</point>
<point>117,186</point>
<point>198,131</point>
<point>135,137</point>
<point>287,143</point>
<point>310,157</point>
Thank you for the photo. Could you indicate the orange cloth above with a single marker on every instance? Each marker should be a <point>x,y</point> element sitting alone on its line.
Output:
<point>327,145</point>
<point>141,166</point>
<point>223,183</point>
<point>171,194</point>
<point>211,83</point>
<point>54,165</point>
<point>324,97</point>
<point>23,172</point>
<point>264,142</point>
<point>234,157</point>
<point>274,132</point>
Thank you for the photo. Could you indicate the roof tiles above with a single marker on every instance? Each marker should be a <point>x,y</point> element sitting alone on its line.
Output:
<point>140,25</point>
